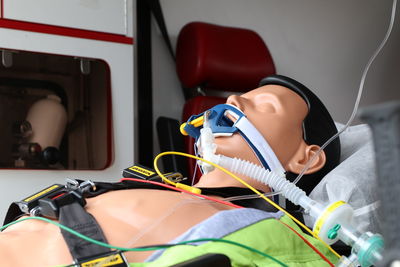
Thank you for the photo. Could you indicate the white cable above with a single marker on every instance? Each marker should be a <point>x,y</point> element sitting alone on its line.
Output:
<point>360,91</point>
<point>274,180</point>
<point>357,102</point>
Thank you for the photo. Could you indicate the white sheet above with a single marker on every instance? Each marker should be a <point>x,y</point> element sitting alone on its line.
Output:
<point>354,179</point>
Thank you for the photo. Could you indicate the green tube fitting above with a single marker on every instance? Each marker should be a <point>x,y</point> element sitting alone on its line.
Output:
<point>332,233</point>
<point>367,254</point>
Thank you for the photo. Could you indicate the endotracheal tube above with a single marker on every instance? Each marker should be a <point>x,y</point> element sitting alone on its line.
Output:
<point>333,222</point>
<point>206,144</point>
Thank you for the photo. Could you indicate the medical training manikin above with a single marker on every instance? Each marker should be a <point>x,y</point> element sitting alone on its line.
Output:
<point>278,126</point>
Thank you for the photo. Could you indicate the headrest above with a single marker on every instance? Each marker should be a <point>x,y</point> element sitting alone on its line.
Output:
<point>221,58</point>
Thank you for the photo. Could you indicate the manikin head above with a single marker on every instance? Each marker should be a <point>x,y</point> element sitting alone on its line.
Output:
<point>295,124</point>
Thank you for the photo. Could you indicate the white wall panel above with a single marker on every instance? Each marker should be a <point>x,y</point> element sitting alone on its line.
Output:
<point>16,184</point>
<point>98,15</point>
<point>323,44</point>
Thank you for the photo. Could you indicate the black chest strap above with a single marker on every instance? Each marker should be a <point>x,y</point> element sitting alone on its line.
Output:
<point>75,217</point>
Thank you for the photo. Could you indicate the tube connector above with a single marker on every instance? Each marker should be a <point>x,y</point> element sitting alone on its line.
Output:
<point>336,213</point>
<point>207,147</point>
<point>368,249</point>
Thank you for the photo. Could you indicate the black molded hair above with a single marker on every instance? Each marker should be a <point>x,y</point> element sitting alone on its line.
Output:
<point>318,127</point>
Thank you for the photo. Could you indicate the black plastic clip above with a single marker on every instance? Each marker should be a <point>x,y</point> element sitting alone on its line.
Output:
<point>48,201</point>
<point>28,204</point>
<point>141,172</point>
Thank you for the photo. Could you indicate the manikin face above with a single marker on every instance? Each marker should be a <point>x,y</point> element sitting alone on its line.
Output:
<point>278,114</point>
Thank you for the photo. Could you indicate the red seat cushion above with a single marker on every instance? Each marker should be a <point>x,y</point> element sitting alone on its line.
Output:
<point>221,58</point>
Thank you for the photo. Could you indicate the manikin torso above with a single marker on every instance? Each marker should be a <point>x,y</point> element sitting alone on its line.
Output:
<point>129,218</point>
<point>137,217</point>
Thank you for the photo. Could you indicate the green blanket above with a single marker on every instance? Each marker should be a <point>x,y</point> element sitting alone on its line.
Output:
<point>270,236</point>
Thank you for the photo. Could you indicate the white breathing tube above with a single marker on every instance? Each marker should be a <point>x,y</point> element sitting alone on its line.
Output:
<point>243,167</point>
<point>332,222</point>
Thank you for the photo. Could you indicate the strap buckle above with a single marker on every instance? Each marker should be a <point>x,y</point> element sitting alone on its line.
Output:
<point>48,201</point>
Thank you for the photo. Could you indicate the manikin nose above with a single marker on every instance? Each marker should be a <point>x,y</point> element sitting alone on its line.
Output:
<point>236,101</point>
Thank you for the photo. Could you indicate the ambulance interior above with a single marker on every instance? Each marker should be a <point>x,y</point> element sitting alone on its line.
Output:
<point>82,98</point>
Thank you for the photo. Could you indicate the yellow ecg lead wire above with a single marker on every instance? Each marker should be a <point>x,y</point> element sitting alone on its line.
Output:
<point>241,181</point>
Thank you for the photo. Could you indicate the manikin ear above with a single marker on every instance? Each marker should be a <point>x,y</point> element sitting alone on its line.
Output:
<point>303,155</point>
